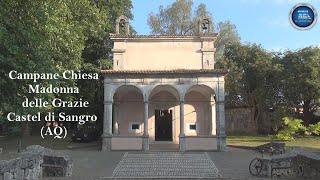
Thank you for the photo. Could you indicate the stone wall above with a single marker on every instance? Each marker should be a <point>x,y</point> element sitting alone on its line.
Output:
<point>30,165</point>
<point>238,121</point>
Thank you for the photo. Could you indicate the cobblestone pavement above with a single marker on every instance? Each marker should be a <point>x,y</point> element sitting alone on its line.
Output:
<point>166,165</point>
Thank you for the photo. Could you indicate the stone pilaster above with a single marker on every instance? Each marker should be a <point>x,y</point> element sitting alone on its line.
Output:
<point>107,126</point>
<point>118,57</point>
<point>207,51</point>
<point>221,141</point>
<point>107,119</point>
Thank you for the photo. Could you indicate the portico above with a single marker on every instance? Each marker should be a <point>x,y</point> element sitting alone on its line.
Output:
<point>163,89</point>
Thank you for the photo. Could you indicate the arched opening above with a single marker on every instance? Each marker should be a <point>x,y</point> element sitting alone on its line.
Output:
<point>122,25</point>
<point>198,111</point>
<point>128,111</point>
<point>164,114</point>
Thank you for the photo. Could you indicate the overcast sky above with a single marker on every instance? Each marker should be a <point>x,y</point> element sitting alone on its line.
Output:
<point>265,22</point>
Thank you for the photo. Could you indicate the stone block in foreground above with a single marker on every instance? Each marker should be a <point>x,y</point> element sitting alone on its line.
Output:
<point>35,163</point>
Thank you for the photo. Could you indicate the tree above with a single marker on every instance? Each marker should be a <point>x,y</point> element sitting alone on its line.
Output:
<point>98,48</point>
<point>252,80</point>
<point>302,80</point>
<point>174,20</point>
<point>46,37</point>
<point>178,19</point>
<point>97,54</point>
<point>228,34</point>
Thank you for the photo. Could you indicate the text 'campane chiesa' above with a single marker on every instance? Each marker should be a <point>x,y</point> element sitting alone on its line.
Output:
<point>163,89</point>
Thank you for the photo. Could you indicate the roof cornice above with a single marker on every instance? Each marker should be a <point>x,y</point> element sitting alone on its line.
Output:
<point>159,72</point>
<point>211,36</point>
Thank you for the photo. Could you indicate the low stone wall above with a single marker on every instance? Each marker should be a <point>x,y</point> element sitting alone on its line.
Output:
<point>205,143</point>
<point>239,121</point>
<point>297,163</point>
<point>126,143</point>
<point>30,164</point>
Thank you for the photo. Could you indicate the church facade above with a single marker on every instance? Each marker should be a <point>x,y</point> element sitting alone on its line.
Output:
<point>163,89</point>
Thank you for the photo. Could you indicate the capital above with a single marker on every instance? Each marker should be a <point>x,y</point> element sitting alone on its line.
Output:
<point>107,102</point>
<point>220,102</point>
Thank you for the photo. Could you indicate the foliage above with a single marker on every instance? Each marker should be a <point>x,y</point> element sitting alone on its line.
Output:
<point>97,54</point>
<point>252,80</point>
<point>292,127</point>
<point>175,19</point>
<point>47,36</point>
<point>228,35</point>
<point>42,36</point>
<point>302,80</point>
<point>314,129</point>
<point>178,19</point>
<point>273,84</point>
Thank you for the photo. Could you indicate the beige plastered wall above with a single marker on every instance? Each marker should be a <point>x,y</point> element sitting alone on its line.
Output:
<point>163,54</point>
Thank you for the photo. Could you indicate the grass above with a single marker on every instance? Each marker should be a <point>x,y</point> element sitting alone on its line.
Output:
<point>312,142</point>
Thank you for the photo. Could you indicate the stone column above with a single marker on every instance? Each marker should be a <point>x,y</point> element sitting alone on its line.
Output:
<point>107,119</point>
<point>182,141</point>
<point>221,124</point>
<point>213,118</point>
<point>221,118</point>
<point>145,129</point>
<point>107,126</point>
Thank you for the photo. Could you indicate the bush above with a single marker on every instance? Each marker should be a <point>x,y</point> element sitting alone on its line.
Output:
<point>292,127</point>
<point>314,129</point>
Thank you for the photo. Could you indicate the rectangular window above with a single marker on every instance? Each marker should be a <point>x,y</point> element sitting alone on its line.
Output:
<point>192,127</point>
<point>135,126</point>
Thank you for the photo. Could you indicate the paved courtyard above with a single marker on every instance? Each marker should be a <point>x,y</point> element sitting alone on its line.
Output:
<point>92,164</point>
<point>166,165</point>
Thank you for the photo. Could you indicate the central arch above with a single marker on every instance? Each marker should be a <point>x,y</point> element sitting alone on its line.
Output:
<point>164,114</point>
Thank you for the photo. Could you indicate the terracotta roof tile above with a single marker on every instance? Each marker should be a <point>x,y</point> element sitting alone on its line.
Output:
<point>159,36</point>
<point>173,71</point>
